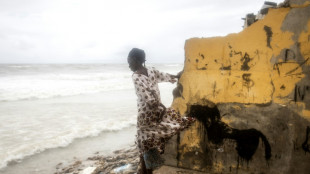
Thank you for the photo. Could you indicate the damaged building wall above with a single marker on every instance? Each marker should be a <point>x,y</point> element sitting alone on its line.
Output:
<point>250,93</point>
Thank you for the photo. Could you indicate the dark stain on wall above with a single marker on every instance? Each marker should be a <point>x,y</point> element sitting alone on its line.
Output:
<point>247,140</point>
<point>300,92</point>
<point>178,91</point>
<point>291,72</point>
<point>226,67</point>
<point>202,56</point>
<point>244,58</point>
<point>306,144</point>
<point>197,61</point>
<point>268,34</point>
<point>300,66</point>
<point>233,83</point>
<point>276,67</point>
<point>245,62</point>
<point>214,89</point>
<point>282,87</point>
<point>289,54</point>
<point>203,68</point>
<point>247,81</point>
<point>239,52</point>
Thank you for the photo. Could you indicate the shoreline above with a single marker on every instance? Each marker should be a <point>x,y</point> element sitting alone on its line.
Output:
<point>79,150</point>
<point>124,161</point>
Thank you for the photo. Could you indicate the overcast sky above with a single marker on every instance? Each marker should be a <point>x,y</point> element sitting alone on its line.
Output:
<point>102,31</point>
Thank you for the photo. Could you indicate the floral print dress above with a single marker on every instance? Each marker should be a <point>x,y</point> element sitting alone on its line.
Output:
<point>155,124</point>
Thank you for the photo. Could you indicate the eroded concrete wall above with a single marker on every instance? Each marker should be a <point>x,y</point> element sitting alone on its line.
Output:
<point>251,94</point>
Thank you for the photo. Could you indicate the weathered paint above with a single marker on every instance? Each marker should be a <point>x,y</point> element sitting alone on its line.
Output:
<point>255,80</point>
<point>304,40</point>
<point>262,72</point>
<point>299,3</point>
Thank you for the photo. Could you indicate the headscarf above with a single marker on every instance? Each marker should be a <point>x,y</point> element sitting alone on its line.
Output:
<point>137,54</point>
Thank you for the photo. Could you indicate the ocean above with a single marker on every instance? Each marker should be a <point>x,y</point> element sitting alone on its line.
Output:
<point>54,113</point>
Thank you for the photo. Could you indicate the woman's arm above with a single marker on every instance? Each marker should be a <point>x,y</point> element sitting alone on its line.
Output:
<point>164,77</point>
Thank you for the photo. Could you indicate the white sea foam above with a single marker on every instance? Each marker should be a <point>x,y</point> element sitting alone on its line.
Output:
<point>33,144</point>
<point>173,65</point>
<point>19,66</point>
<point>23,87</point>
<point>49,82</point>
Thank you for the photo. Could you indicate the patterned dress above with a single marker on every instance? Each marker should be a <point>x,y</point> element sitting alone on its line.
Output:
<point>155,124</point>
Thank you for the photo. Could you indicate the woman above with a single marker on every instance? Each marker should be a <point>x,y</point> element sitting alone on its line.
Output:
<point>156,124</point>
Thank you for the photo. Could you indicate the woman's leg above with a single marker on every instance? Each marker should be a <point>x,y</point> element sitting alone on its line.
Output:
<point>142,166</point>
<point>149,171</point>
<point>143,169</point>
<point>152,159</point>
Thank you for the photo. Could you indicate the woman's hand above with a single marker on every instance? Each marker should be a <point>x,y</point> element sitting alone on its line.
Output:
<point>173,78</point>
<point>162,105</point>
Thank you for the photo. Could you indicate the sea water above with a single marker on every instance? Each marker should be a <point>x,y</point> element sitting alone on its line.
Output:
<point>55,109</point>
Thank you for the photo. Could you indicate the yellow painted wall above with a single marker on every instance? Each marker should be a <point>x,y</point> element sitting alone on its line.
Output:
<point>261,80</point>
<point>244,68</point>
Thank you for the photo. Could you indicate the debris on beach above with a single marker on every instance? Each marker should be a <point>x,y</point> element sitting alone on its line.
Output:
<point>122,161</point>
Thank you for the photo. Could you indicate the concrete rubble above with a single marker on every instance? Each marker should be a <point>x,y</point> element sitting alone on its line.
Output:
<point>123,161</point>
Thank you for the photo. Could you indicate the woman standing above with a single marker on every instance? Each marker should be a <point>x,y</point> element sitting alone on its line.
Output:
<point>156,124</point>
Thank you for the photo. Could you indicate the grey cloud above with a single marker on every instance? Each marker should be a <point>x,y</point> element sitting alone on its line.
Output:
<point>43,31</point>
